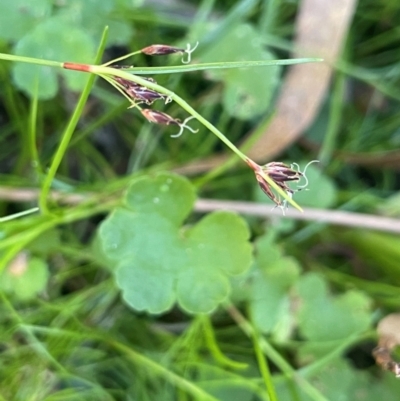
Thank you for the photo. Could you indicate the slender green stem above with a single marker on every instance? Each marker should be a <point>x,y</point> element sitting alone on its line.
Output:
<point>232,160</point>
<point>32,134</point>
<point>17,242</point>
<point>264,369</point>
<point>213,346</point>
<point>37,345</point>
<point>16,111</point>
<point>107,71</point>
<point>179,382</point>
<point>100,70</point>
<point>101,203</point>
<point>199,117</point>
<point>344,345</point>
<point>171,69</point>
<point>62,148</point>
<point>274,356</point>
<point>25,238</point>
<point>136,358</point>
<point>333,129</point>
<point>268,16</point>
<point>30,60</point>
<point>19,214</point>
<point>121,58</point>
<point>218,66</point>
<point>104,70</point>
<point>200,20</point>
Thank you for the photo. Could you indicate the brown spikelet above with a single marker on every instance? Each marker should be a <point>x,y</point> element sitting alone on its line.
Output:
<point>161,50</point>
<point>158,117</point>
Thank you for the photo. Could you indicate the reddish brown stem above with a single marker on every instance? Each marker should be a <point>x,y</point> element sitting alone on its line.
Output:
<point>254,166</point>
<point>77,67</point>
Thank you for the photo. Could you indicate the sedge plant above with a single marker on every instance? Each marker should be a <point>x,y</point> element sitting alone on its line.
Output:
<point>142,92</point>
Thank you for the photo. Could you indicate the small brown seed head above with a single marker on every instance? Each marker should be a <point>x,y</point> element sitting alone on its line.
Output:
<point>280,173</point>
<point>158,117</point>
<point>161,50</point>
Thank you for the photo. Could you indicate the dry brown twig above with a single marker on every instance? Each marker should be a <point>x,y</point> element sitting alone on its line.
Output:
<point>335,217</point>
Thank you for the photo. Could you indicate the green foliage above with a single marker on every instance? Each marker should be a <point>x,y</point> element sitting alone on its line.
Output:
<point>119,289</point>
<point>386,259</point>
<point>44,42</point>
<point>157,262</point>
<point>19,17</point>
<point>270,301</point>
<point>341,381</point>
<point>322,193</point>
<point>25,277</point>
<point>68,32</point>
<point>247,93</point>
<point>322,318</point>
<point>281,299</point>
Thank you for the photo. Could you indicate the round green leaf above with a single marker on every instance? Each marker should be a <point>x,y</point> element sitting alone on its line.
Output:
<point>268,252</point>
<point>144,287</point>
<point>93,15</point>
<point>17,17</point>
<point>125,235</point>
<point>269,301</point>
<point>220,241</point>
<point>201,291</point>
<point>159,195</point>
<point>156,262</point>
<point>323,317</point>
<point>53,40</point>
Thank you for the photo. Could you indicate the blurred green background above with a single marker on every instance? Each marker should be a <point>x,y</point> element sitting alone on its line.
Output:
<point>127,290</point>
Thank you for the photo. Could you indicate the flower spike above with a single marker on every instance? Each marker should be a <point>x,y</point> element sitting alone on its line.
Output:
<point>280,174</point>
<point>158,117</point>
<point>139,93</point>
<point>162,50</point>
